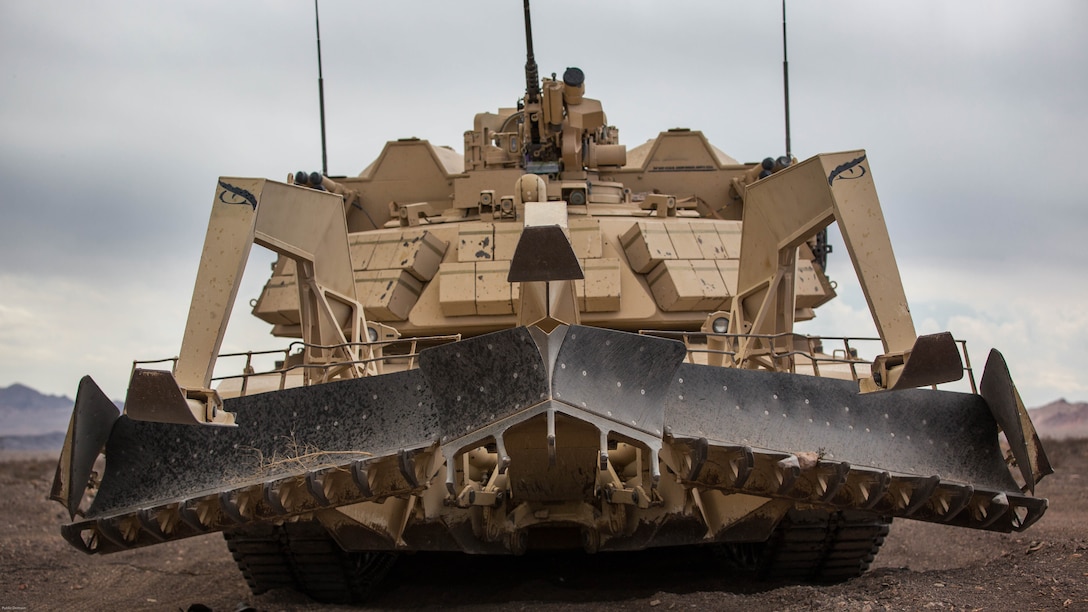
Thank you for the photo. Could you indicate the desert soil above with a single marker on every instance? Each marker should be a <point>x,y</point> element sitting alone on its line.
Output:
<point>922,566</point>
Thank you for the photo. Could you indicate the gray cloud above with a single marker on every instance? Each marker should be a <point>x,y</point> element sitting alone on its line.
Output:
<point>116,118</point>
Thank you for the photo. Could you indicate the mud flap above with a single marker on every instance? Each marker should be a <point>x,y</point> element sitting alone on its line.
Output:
<point>89,428</point>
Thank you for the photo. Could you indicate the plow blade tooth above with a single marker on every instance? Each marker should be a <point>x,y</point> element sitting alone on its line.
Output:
<point>73,534</point>
<point>108,529</point>
<point>880,487</point>
<point>869,487</point>
<point>742,462</point>
<point>295,495</point>
<point>150,524</point>
<point>316,489</point>
<point>228,506</point>
<point>360,477</point>
<point>765,472</point>
<point>271,496</point>
<point>984,510</point>
<point>717,466</point>
<point>331,486</point>
<point>188,515</point>
<point>407,468</point>
<point>921,493</point>
<point>787,470</point>
<point>997,506</point>
<point>1027,511</point>
<point>698,455</point>
<point>956,500</point>
<point>88,429</point>
<point>699,450</point>
<point>833,480</point>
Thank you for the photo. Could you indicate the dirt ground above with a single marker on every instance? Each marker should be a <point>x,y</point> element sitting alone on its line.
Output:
<point>921,567</point>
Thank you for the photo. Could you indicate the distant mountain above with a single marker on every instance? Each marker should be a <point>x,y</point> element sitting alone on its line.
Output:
<point>25,412</point>
<point>44,442</point>
<point>1061,419</point>
<point>31,420</point>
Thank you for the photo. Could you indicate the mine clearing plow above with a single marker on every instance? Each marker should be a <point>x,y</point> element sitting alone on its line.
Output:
<point>299,453</point>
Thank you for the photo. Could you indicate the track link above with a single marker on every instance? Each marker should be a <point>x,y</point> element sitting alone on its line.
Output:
<point>303,557</point>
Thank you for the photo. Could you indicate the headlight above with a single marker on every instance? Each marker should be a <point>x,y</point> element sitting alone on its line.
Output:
<point>720,325</point>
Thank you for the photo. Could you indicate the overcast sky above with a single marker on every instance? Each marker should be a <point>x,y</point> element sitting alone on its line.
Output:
<point>117,117</point>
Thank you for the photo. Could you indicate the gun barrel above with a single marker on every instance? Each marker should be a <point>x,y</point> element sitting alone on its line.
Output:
<point>532,77</point>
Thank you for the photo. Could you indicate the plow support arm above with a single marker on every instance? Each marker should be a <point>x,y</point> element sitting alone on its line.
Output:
<point>306,225</point>
<point>784,210</point>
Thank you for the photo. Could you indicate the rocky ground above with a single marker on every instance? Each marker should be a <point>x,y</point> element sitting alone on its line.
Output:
<point>921,567</point>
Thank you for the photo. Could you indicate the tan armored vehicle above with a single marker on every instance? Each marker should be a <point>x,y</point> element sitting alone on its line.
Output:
<point>549,341</point>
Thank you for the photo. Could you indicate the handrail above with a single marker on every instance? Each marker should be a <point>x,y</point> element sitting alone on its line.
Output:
<point>696,343</point>
<point>297,347</point>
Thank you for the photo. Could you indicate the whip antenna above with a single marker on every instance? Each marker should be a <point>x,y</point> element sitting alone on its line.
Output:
<point>785,80</point>
<point>321,95</point>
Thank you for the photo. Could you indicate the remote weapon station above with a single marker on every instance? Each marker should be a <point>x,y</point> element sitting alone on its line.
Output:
<point>549,341</point>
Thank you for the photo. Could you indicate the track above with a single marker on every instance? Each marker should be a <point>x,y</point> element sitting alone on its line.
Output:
<point>813,546</point>
<point>808,546</point>
<point>303,557</point>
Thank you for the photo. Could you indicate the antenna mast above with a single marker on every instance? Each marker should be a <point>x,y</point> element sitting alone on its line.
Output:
<point>321,95</point>
<point>785,80</point>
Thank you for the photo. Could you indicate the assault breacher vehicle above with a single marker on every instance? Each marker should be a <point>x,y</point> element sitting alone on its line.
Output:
<point>551,341</point>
